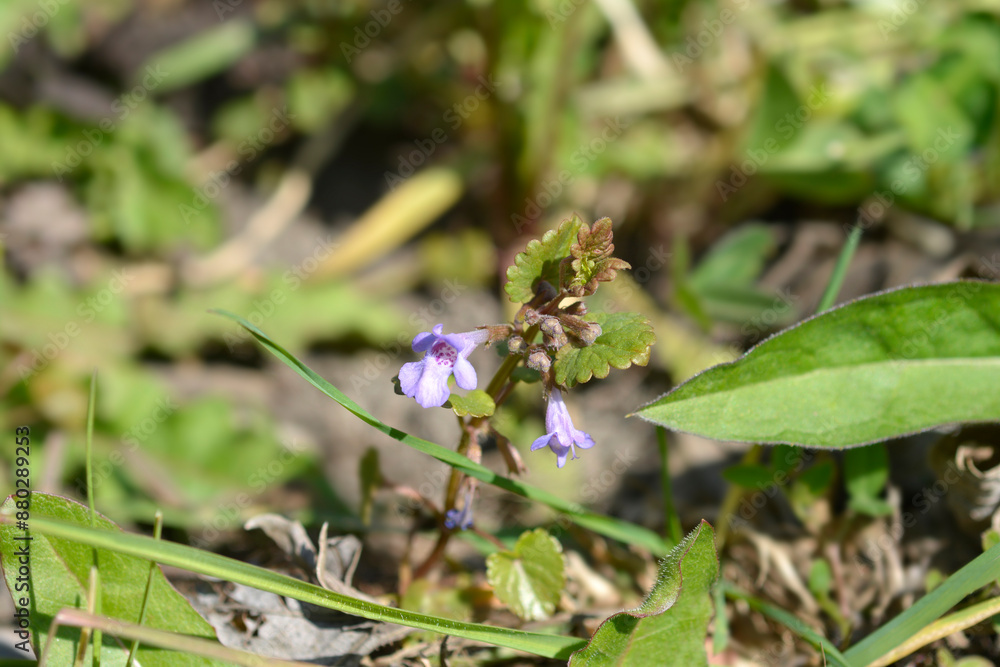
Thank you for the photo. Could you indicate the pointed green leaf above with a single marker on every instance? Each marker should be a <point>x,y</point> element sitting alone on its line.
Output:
<point>59,570</point>
<point>540,261</point>
<point>887,365</point>
<point>530,578</point>
<point>625,340</point>
<point>670,626</point>
<point>476,403</point>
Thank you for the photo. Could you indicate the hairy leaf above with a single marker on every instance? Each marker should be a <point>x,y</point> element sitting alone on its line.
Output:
<point>887,365</point>
<point>540,260</point>
<point>625,340</point>
<point>670,626</point>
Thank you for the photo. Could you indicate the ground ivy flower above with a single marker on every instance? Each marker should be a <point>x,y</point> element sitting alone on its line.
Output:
<point>561,437</point>
<point>446,354</point>
<point>461,518</point>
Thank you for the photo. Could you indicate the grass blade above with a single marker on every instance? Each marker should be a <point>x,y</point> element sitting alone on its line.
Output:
<point>980,572</point>
<point>214,565</point>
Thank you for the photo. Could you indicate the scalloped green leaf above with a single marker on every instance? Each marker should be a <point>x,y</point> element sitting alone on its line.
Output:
<point>670,626</point>
<point>540,260</point>
<point>476,403</point>
<point>625,340</point>
<point>887,365</point>
<point>58,579</point>
<point>530,578</point>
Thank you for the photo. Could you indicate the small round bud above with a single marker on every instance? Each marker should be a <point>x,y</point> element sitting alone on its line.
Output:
<point>516,345</point>
<point>531,317</point>
<point>590,334</point>
<point>551,327</point>
<point>539,361</point>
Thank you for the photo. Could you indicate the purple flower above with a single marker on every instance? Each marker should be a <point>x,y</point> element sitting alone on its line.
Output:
<point>561,437</point>
<point>427,379</point>
<point>462,519</point>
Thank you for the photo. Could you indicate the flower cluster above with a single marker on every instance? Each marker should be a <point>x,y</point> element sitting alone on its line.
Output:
<point>549,336</point>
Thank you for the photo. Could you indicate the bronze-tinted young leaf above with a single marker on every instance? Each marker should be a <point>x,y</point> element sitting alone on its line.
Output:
<point>540,260</point>
<point>592,261</point>
<point>625,340</point>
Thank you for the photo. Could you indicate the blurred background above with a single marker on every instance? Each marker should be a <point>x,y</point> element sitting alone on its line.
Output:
<point>347,174</point>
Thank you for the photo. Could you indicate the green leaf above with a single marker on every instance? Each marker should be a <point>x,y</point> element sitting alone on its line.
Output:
<point>891,364</point>
<point>476,403</point>
<point>613,528</point>
<point>207,53</point>
<point>58,578</point>
<point>625,340</point>
<point>530,578</point>
<point>670,626</point>
<point>540,260</point>
<point>221,567</point>
<point>736,260</point>
<point>866,471</point>
<point>749,476</point>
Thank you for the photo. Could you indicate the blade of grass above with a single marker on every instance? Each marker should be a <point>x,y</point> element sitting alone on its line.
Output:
<point>90,453</point>
<point>614,528</point>
<point>980,572</point>
<point>165,640</point>
<point>157,532</point>
<point>215,565</point>
<point>670,518</point>
<point>940,629</point>
<point>807,634</point>
<point>840,270</point>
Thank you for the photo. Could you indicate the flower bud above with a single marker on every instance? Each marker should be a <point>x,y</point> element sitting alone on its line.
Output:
<point>539,361</point>
<point>550,327</point>
<point>516,345</point>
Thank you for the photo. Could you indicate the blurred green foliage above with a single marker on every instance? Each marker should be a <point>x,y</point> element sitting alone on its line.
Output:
<point>146,114</point>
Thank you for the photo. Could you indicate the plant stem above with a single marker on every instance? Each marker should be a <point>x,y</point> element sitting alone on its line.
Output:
<point>672,521</point>
<point>499,389</point>
<point>733,496</point>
